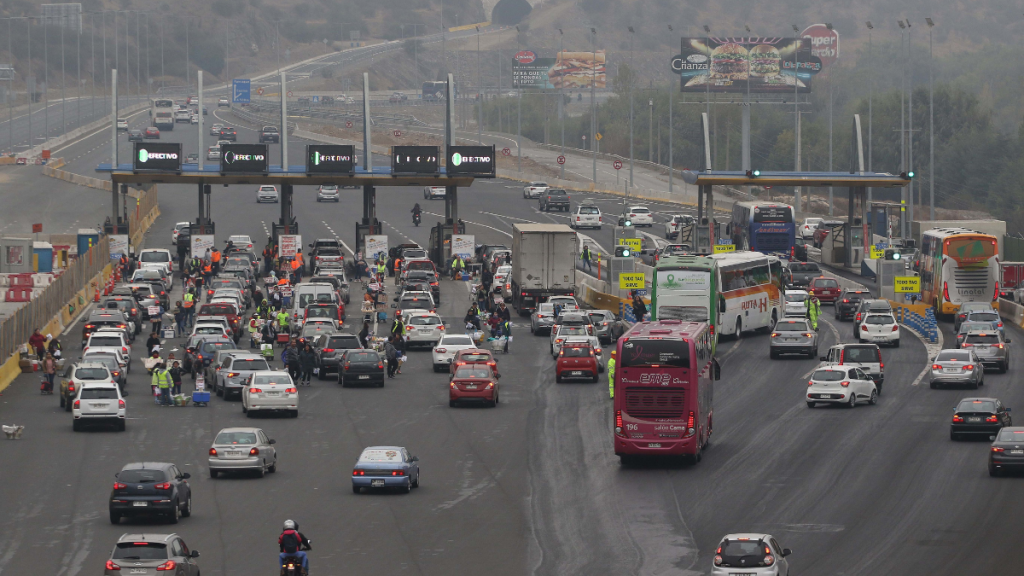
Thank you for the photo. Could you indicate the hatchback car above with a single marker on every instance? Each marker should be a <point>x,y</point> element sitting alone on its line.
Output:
<point>586,216</point>
<point>806,229</point>
<point>144,553</point>
<point>386,467</point>
<point>242,449</point>
<point>796,303</point>
<point>74,376</point>
<point>270,391</point>
<point>431,192</point>
<point>215,129</point>
<point>122,123</point>
<point>637,216</point>
<point>560,333</point>
<point>361,367</point>
<point>577,360</point>
<point>98,403</point>
<point>978,416</point>
<point>542,319</point>
<point>793,337</point>
<point>957,367</point>
<point>474,383</point>
<point>151,133</point>
<point>328,193</point>
<point>267,193</point>
<point>1007,451</point>
<point>848,301</point>
<point>990,347</point>
<point>234,370</point>
<point>966,327</point>
<point>151,489</point>
<point>826,289</point>
<point>445,350</point>
<point>869,306</point>
<point>750,555</point>
<point>213,153</point>
<point>474,356</point>
<point>880,329</point>
<point>135,135</point>
<point>840,385</point>
<point>987,316</point>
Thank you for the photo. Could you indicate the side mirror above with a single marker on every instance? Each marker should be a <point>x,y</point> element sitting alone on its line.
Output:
<point>786,552</point>
<point>195,554</point>
<point>272,441</point>
<point>414,459</point>
<point>186,476</point>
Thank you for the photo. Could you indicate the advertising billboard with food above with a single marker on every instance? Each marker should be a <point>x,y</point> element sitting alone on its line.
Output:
<point>738,64</point>
<point>567,70</point>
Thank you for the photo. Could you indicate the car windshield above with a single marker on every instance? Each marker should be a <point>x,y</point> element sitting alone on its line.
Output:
<point>588,210</point>
<point>155,257</point>
<point>141,476</point>
<point>983,317</point>
<point>363,356</point>
<point>976,406</point>
<point>742,552</point>
<point>91,374</point>
<point>140,551</point>
<point>952,356</point>
<point>456,341</point>
<point>98,394</point>
<point>879,319</point>
<point>795,297</point>
<point>791,326</point>
<point>860,354</point>
<point>424,321</point>
<point>797,267</point>
<point>684,313</point>
<point>983,339</point>
<point>576,351</point>
<point>235,438</point>
<point>663,353</point>
<point>254,364</point>
<point>826,283</point>
<point>828,375</point>
<point>471,371</point>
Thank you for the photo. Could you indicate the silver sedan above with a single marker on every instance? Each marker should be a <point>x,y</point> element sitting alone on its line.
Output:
<point>542,319</point>
<point>242,449</point>
<point>793,336</point>
<point>958,367</point>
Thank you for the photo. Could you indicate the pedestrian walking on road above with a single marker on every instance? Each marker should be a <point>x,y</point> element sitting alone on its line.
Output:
<point>175,373</point>
<point>391,354</point>
<point>152,342</point>
<point>162,381</point>
<point>49,370</point>
<point>585,256</point>
<point>307,361</point>
<point>364,335</point>
<point>639,308</point>
<point>179,318</point>
<point>38,343</point>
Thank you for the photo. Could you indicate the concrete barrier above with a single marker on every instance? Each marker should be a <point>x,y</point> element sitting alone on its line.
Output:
<point>1011,312</point>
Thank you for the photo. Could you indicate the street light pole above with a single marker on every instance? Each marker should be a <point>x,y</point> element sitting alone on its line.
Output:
<point>479,92</point>
<point>519,116</point>
<point>931,124</point>
<point>650,131</point>
<point>871,93</point>
<point>910,129</point>
<point>671,88</point>
<point>63,86</point>
<point>593,102</point>
<point>46,83</point>
<point>831,73</point>
<point>796,113</point>
<point>561,109</point>
<point>632,81</point>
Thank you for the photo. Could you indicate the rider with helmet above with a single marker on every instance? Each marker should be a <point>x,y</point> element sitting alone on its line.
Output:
<point>293,543</point>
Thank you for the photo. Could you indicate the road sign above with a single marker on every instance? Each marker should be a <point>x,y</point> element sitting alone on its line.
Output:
<point>906,284</point>
<point>415,160</point>
<point>398,133</point>
<point>631,280</point>
<point>721,248</point>
<point>289,94</point>
<point>561,160</point>
<point>640,292</point>
<point>506,152</point>
<point>348,124</point>
<point>474,160</point>
<point>240,90</point>
<point>617,164</point>
<point>259,91</point>
<point>598,136</point>
<point>316,98</point>
<point>633,243</point>
<point>877,253</point>
<point>37,228</point>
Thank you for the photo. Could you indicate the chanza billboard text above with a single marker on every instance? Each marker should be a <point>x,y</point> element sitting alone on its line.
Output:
<point>568,70</point>
<point>759,65</point>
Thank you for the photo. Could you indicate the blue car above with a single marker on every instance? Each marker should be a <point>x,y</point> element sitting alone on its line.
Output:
<point>386,467</point>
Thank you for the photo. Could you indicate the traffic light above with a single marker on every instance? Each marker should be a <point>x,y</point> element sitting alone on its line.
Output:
<point>627,222</point>
<point>907,175</point>
<point>892,254</point>
<point>623,251</point>
<point>753,173</point>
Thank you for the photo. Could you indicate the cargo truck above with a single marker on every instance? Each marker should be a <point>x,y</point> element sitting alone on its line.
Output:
<point>543,264</point>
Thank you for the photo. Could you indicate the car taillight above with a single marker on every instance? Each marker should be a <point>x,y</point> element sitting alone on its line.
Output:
<point>957,418</point>
<point>845,384</point>
<point>936,367</point>
<point>120,404</point>
<point>996,294</point>
<point>997,449</point>
<point>398,472</point>
<point>328,350</point>
<point>895,327</point>
<point>966,345</point>
<point>112,566</point>
<point>845,301</point>
<point>999,325</point>
<point>577,218</point>
<point>119,486</point>
<point>808,334</point>
<point>380,365</point>
<point>213,451</point>
<point>254,452</point>
<point>71,387</point>
<point>359,473</point>
<point>255,390</point>
<point>864,327</point>
<point>162,486</point>
<point>78,404</point>
<point>291,390</point>
<point>992,419</point>
<point>441,350</point>
<point>124,349</point>
<point>618,421</point>
<point>858,317</point>
<point>167,566</point>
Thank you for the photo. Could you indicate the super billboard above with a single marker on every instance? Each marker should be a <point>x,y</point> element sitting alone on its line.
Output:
<point>567,70</point>
<point>762,65</point>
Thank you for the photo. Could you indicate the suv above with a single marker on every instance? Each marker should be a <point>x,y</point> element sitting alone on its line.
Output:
<point>990,348</point>
<point>152,551</point>
<point>100,318</point>
<point>228,133</point>
<point>74,376</point>
<point>223,102</point>
<point>869,306</point>
<point>880,327</point>
<point>270,134</point>
<point>98,402</point>
<point>676,223</point>
<point>128,306</point>
<point>534,189</point>
<point>826,289</point>
<point>234,368</point>
<point>151,489</point>
<point>587,216</point>
<point>867,357</point>
<point>431,192</point>
<point>848,301</point>
<point>554,198</point>
<point>329,348</point>
<point>966,308</point>
<point>227,310</point>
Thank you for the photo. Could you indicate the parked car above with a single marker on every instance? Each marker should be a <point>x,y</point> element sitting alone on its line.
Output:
<point>151,489</point>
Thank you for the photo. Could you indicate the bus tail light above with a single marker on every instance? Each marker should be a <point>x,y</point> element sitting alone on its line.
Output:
<point>995,296</point>
<point>618,421</point>
<point>689,423</point>
<point>945,291</point>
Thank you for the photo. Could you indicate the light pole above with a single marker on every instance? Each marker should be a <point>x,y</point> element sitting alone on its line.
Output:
<point>831,73</point>
<point>593,102</point>
<point>650,130</point>
<point>671,88</point>
<point>479,92</point>
<point>707,90</point>
<point>871,93</point>
<point>63,86</point>
<point>903,129</point>
<point>519,116</point>
<point>632,81</point>
<point>46,83</point>
<point>31,90</point>
<point>910,128</point>
<point>561,109</point>
<point>931,124</point>
<point>796,113</point>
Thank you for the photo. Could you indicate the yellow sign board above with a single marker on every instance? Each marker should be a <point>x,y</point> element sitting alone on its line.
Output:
<point>631,281</point>
<point>877,253</point>
<point>720,248</point>
<point>598,136</point>
<point>906,284</point>
<point>633,243</point>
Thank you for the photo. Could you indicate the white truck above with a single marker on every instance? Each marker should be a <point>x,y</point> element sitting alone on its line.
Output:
<point>543,264</point>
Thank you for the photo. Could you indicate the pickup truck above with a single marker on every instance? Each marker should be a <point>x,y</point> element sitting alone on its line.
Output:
<point>554,198</point>
<point>801,273</point>
<point>270,134</point>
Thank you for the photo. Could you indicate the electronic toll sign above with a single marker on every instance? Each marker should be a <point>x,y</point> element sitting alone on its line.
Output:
<point>331,159</point>
<point>470,161</point>
<point>415,160</point>
<point>150,156</point>
<point>243,158</point>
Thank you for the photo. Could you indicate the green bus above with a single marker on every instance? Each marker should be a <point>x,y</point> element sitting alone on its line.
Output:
<point>687,288</point>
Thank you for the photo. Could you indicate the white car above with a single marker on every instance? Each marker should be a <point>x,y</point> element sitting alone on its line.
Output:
<point>159,257</point>
<point>98,402</point>
<point>223,142</point>
<point>271,391</point>
<point>211,329</point>
<point>431,192</point>
<point>560,333</point>
<point>840,385</point>
<point>639,216</point>
<point>242,241</point>
<point>423,327</point>
<point>105,338</point>
<point>586,216</point>
<point>750,554</point>
<point>795,303</point>
<point>213,153</point>
<point>215,129</point>
<point>267,193</point>
<point>446,348</point>
<point>879,328</point>
<point>223,102</point>
<point>328,192</point>
<point>176,231</point>
<point>195,118</point>
<point>183,115</point>
<point>806,229</point>
<point>534,189</point>
<point>501,278</point>
<point>122,123</point>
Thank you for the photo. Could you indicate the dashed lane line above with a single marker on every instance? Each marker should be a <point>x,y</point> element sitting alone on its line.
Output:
<point>473,223</point>
<point>338,238</point>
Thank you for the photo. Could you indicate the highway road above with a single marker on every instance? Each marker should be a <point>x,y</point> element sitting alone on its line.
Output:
<point>531,487</point>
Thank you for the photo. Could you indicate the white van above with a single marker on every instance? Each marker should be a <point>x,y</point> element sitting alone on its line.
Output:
<point>586,216</point>
<point>157,257</point>
<point>305,294</point>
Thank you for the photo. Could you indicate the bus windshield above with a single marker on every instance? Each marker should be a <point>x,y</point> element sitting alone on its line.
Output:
<point>651,353</point>
<point>163,104</point>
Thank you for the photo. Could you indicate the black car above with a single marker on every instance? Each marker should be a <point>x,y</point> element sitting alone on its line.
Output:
<point>100,318</point>
<point>151,489</point>
<point>801,273</point>
<point>270,134</point>
<point>361,367</point>
<point>329,349</point>
<point>978,416</point>
<point>135,135</point>
<point>554,198</point>
<point>228,133</point>
<point>1007,451</point>
<point>129,306</point>
<point>430,278</point>
<point>848,301</point>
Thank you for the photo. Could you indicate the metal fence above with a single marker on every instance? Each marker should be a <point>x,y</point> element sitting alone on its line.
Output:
<point>17,328</point>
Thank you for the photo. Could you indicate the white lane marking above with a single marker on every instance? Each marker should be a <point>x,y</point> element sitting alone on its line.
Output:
<point>338,238</point>
<point>265,230</point>
<point>473,223</point>
<point>931,350</point>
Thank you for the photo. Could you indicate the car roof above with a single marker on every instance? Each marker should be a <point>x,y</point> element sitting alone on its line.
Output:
<point>147,537</point>
<point>147,466</point>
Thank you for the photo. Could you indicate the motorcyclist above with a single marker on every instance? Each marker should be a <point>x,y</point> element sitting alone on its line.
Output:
<point>293,543</point>
<point>416,210</point>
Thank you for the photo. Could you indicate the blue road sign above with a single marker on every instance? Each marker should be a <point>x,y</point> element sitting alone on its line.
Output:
<point>642,292</point>
<point>240,91</point>
<point>316,99</point>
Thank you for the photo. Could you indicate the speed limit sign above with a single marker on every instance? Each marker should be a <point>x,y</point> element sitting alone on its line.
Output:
<point>561,159</point>
<point>506,151</point>
<point>617,164</point>
<point>348,124</point>
<point>398,133</point>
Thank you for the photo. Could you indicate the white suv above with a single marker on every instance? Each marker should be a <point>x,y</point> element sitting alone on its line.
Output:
<point>99,402</point>
<point>431,192</point>
<point>534,189</point>
<point>267,193</point>
<point>878,328</point>
<point>586,216</point>
<point>270,391</point>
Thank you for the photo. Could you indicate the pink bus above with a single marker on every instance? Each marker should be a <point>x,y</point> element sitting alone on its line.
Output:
<point>663,389</point>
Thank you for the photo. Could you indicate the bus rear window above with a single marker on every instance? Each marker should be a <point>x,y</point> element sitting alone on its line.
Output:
<point>644,353</point>
<point>773,214</point>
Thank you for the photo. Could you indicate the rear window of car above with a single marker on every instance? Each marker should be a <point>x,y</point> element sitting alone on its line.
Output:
<point>879,319</point>
<point>976,406</point>
<point>457,341</point>
<point>826,283</point>
<point>984,317</point>
<point>640,211</point>
<point>1008,435</point>
<point>105,341</point>
<point>421,265</point>
<point>556,192</point>
<point>576,351</point>
<point>471,371</point>
<point>796,297</point>
<point>748,552</point>
<point>667,353</point>
<point>98,394</point>
<point>860,354</point>
<point>142,476</point>
<point>235,438</point>
<point>250,365</point>
<point>969,326</point>
<point>378,455</point>
<point>828,375</point>
<point>424,321</point>
<point>475,357</point>
<point>217,309</point>
<point>155,257</point>
<point>598,316</point>
<point>272,379</point>
<point>140,551</point>
<point>953,357</point>
<point>342,342</point>
<point>92,374</point>
<point>796,267</point>
<point>588,210</point>
<point>322,312</point>
<point>572,331</point>
<point>983,339</point>
<point>791,326</point>
<point>363,356</point>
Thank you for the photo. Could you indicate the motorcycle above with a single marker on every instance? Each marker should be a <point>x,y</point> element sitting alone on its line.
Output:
<point>416,218</point>
<point>292,565</point>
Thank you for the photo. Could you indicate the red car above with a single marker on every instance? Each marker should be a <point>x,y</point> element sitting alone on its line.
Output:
<point>152,132</point>
<point>823,230</point>
<point>226,310</point>
<point>826,289</point>
<point>474,356</point>
<point>473,383</point>
<point>576,360</point>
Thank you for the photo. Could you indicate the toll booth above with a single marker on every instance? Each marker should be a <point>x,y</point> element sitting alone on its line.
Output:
<point>363,230</point>
<point>439,248</point>
<point>834,248</point>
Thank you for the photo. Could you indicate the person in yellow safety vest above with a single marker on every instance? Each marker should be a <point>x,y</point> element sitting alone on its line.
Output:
<point>282,321</point>
<point>813,310</point>
<point>382,269</point>
<point>611,375</point>
<point>162,380</point>
<point>254,329</point>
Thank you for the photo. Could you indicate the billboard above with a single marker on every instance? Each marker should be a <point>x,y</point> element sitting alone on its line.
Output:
<point>291,244</point>
<point>330,159</point>
<point>415,160</point>
<point>824,43</point>
<point>243,158</point>
<point>153,156</point>
<point>471,160</point>
<point>760,65</point>
<point>567,70</point>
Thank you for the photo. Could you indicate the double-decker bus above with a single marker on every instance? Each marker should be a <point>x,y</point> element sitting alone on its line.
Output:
<point>161,113</point>
<point>958,266</point>
<point>751,288</point>
<point>687,288</point>
<point>763,227</point>
<point>664,389</point>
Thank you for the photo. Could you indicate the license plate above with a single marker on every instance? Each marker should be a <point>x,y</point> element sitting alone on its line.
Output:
<point>98,404</point>
<point>233,453</point>
<point>1016,451</point>
<point>273,393</point>
<point>950,370</point>
<point>139,571</point>
<point>974,419</point>
<point>376,483</point>
<point>140,504</point>
<point>789,339</point>
<point>364,377</point>
<point>824,292</point>
<point>471,387</point>
<point>577,372</point>
<point>826,396</point>
<point>654,445</point>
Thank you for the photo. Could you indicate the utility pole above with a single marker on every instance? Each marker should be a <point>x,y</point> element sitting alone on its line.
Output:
<point>903,128</point>
<point>931,124</point>
<point>30,89</point>
<point>188,59</point>
<point>63,86</point>
<point>910,127</point>
<point>796,113</point>
<point>632,82</point>
<point>671,89</point>
<point>831,73</point>
<point>561,109</point>
<point>593,101</point>
<point>871,93</point>
<point>479,93</point>
<point>46,83</point>
<point>519,115</point>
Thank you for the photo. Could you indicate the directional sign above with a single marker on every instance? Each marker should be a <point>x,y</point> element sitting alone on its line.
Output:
<point>415,160</point>
<point>398,133</point>
<point>348,124</point>
<point>617,164</point>
<point>598,136</point>
<point>289,93</point>
<point>633,243</point>
<point>240,90</point>
<point>877,253</point>
<point>561,160</point>
<point>245,158</point>
<point>151,156</point>
<point>506,152</point>
<point>259,91</point>
<point>330,159</point>
<point>906,284</point>
<point>631,280</point>
<point>722,248</point>
<point>316,98</point>
<point>471,160</point>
